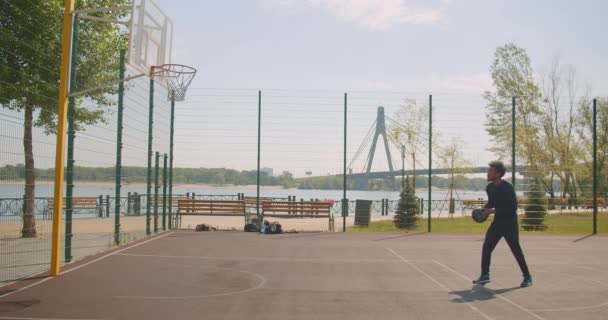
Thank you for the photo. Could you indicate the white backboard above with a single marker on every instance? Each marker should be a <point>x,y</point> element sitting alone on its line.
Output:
<point>150,36</point>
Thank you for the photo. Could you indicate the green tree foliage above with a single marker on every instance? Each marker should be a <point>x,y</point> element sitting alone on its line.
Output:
<point>513,76</point>
<point>30,33</point>
<point>536,207</point>
<point>407,208</point>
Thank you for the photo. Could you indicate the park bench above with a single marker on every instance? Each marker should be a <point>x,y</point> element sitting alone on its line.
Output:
<point>601,202</point>
<point>78,203</point>
<point>251,202</point>
<point>193,207</point>
<point>473,203</point>
<point>294,209</point>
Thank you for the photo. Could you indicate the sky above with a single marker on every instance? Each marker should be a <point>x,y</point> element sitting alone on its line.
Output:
<point>304,54</point>
<point>393,45</point>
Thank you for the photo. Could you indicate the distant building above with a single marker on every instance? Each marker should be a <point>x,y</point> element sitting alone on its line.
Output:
<point>268,171</point>
<point>309,173</point>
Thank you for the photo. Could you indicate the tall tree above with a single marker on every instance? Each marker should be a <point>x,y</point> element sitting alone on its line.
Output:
<point>513,76</point>
<point>562,152</point>
<point>409,130</point>
<point>30,33</point>
<point>451,156</point>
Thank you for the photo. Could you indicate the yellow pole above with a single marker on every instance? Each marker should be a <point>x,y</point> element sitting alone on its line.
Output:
<point>61,129</point>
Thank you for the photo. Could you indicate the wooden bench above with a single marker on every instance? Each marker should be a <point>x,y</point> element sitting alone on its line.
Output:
<point>601,202</point>
<point>473,203</point>
<point>235,208</point>
<point>294,209</point>
<point>251,202</point>
<point>78,203</point>
<point>176,199</point>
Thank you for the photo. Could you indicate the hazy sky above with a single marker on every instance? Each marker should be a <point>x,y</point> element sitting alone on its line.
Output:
<point>402,45</point>
<point>304,54</point>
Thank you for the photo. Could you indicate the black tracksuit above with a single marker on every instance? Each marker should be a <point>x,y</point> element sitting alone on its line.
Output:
<point>502,198</point>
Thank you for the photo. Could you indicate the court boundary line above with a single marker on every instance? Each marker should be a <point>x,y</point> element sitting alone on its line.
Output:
<point>444,287</point>
<point>104,255</point>
<point>507,300</point>
<point>261,283</point>
<point>263,259</point>
<point>21,318</point>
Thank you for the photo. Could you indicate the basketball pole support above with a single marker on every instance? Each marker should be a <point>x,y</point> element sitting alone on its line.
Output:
<point>119,127</point>
<point>69,179</point>
<point>64,77</point>
<point>171,226</point>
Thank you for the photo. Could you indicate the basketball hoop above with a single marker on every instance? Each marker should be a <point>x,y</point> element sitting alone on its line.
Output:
<point>177,77</point>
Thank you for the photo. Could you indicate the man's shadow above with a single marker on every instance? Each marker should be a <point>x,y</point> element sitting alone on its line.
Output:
<point>478,293</point>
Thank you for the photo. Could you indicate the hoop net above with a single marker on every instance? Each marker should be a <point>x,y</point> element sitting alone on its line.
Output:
<point>177,78</point>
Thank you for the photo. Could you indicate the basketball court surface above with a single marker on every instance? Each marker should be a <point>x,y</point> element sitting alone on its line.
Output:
<point>236,275</point>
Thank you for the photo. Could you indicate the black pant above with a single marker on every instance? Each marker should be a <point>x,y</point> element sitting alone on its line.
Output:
<point>511,233</point>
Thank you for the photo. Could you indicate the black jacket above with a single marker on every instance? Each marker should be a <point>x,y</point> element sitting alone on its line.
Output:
<point>503,199</point>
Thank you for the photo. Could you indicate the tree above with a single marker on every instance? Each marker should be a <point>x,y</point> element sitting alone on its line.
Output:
<point>451,156</point>
<point>30,33</point>
<point>409,129</point>
<point>287,180</point>
<point>407,208</point>
<point>513,76</point>
<point>536,207</point>
<point>585,132</point>
<point>559,120</point>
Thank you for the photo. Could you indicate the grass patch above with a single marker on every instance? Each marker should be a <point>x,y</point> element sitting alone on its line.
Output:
<point>566,223</point>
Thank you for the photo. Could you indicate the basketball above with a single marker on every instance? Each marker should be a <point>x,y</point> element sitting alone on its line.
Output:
<point>478,215</point>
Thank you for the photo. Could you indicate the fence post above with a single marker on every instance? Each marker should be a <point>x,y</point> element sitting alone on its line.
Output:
<point>257,201</point>
<point>513,143</point>
<point>129,199</point>
<point>344,200</point>
<point>157,156</point>
<point>165,192</point>
<point>119,127</point>
<point>107,206</point>
<point>100,207</point>
<point>171,164</point>
<point>149,175</point>
<point>594,166</point>
<point>430,158</point>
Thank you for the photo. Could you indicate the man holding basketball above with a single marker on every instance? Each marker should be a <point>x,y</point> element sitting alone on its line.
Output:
<point>502,202</point>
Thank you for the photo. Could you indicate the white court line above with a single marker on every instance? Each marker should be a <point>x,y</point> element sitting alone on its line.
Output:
<point>509,301</point>
<point>17,318</point>
<point>258,286</point>
<point>84,265</point>
<point>573,308</point>
<point>260,259</point>
<point>474,308</point>
<point>26,287</point>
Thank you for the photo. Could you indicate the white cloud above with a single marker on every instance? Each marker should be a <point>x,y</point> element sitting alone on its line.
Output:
<point>373,14</point>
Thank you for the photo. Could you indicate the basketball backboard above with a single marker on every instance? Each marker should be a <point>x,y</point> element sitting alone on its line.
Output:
<point>150,36</point>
